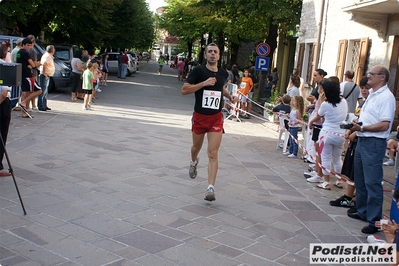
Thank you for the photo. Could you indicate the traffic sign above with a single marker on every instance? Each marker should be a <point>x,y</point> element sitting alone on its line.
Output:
<point>263,49</point>
<point>262,63</point>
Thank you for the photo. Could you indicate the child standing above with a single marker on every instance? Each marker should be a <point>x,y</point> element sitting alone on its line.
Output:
<point>297,108</point>
<point>246,86</point>
<point>87,85</point>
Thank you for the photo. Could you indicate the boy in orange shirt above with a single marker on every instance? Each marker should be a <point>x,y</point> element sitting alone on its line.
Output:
<point>246,86</point>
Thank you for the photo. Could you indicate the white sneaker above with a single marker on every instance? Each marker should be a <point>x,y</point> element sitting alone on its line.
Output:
<point>309,174</point>
<point>374,239</point>
<point>286,153</point>
<point>98,90</point>
<point>390,162</point>
<point>315,179</point>
<point>291,156</point>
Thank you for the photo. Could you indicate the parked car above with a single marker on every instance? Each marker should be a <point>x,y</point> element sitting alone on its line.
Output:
<point>62,75</point>
<point>65,52</point>
<point>113,63</point>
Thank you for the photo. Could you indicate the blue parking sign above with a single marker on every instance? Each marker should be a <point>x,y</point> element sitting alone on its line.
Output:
<point>262,63</point>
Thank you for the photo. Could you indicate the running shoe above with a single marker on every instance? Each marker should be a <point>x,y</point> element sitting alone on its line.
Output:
<point>210,194</point>
<point>315,179</point>
<point>193,169</point>
<point>343,201</point>
<point>309,174</point>
<point>390,162</point>
<point>375,240</point>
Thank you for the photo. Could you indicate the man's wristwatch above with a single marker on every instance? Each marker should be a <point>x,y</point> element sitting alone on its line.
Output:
<point>361,128</point>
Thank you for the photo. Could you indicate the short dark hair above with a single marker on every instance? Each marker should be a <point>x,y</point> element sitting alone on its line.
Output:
<point>3,51</point>
<point>363,81</point>
<point>286,99</point>
<point>350,74</point>
<point>321,72</point>
<point>26,41</point>
<point>211,44</point>
<point>228,67</point>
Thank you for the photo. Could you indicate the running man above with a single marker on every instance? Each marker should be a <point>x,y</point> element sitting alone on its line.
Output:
<point>207,82</point>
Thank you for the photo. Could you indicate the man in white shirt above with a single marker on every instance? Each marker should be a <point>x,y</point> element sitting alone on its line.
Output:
<point>5,114</point>
<point>376,120</point>
<point>46,71</point>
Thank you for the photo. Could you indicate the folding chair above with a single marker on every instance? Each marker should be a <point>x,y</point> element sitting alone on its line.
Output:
<point>282,131</point>
<point>234,112</point>
<point>15,95</point>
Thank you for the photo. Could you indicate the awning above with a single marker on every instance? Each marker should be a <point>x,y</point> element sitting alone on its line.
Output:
<point>374,6</point>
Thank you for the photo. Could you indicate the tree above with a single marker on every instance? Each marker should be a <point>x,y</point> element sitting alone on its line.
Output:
<point>88,23</point>
<point>235,20</point>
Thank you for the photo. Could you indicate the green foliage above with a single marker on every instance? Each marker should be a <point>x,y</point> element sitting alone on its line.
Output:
<point>88,23</point>
<point>233,20</point>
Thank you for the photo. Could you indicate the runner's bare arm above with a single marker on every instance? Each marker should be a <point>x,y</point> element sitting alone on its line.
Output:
<point>191,88</point>
<point>226,94</point>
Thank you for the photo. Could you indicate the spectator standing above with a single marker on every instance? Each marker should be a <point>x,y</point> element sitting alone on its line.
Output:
<point>334,110</point>
<point>246,86</point>
<point>160,64</point>
<point>297,108</point>
<point>87,85</point>
<point>77,71</point>
<point>8,54</point>
<point>30,88</point>
<point>18,45</point>
<point>35,71</point>
<point>180,69</point>
<point>5,114</point>
<point>207,82</point>
<point>124,62</point>
<point>293,89</point>
<point>350,91</point>
<point>346,200</point>
<point>302,90</point>
<point>267,90</point>
<point>376,117</point>
<point>46,71</point>
<point>106,69</point>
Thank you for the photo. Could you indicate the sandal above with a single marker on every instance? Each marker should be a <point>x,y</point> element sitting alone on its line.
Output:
<point>339,184</point>
<point>74,99</point>
<point>324,185</point>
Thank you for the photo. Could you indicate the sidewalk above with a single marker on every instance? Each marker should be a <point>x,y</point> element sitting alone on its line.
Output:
<point>110,186</point>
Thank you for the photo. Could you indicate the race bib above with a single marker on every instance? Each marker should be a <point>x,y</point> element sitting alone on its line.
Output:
<point>211,99</point>
<point>243,85</point>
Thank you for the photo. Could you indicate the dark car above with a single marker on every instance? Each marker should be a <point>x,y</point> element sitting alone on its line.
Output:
<point>62,74</point>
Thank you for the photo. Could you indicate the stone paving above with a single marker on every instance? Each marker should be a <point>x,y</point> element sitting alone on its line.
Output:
<point>110,186</point>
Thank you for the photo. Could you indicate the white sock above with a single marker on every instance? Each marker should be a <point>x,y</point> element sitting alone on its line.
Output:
<point>211,186</point>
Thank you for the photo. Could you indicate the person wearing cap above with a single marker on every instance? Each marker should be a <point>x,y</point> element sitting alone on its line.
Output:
<point>15,50</point>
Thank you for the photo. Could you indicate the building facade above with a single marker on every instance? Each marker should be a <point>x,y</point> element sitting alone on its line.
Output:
<point>349,34</point>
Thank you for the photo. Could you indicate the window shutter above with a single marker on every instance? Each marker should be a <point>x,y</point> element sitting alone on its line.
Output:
<point>361,63</point>
<point>301,53</point>
<point>339,70</point>
<point>313,64</point>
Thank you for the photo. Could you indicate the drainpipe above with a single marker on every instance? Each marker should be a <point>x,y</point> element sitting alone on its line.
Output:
<point>319,28</point>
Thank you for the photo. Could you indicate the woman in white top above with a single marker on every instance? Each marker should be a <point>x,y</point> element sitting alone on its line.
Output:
<point>293,90</point>
<point>334,110</point>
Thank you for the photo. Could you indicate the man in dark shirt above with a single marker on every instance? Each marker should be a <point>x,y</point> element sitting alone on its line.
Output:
<point>30,88</point>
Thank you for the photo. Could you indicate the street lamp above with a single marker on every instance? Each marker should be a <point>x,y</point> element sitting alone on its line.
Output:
<point>206,36</point>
